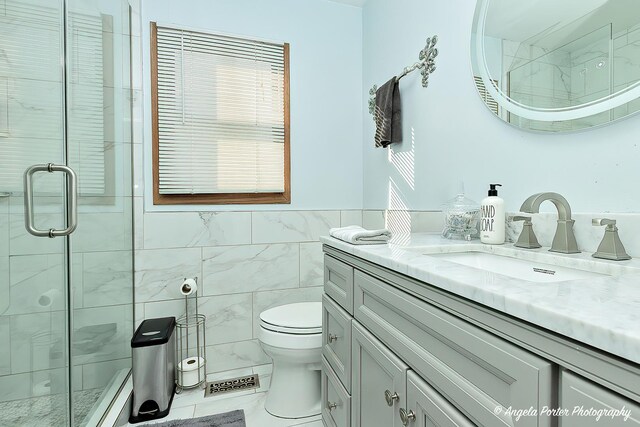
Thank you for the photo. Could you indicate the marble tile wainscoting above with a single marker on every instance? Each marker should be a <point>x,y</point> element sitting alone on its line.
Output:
<point>245,262</point>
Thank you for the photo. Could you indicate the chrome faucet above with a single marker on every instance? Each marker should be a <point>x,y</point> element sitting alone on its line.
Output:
<point>564,240</point>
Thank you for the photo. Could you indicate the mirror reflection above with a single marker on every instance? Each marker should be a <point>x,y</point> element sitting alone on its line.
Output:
<point>557,66</point>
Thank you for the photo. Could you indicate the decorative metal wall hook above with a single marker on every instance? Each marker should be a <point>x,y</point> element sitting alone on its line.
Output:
<point>372,98</point>
<point>426,64</point>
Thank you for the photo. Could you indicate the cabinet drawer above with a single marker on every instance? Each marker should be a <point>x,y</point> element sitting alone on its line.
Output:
<point>338,282</point>
<point>471,368</point>
<point>429,408</point>
<point>336,336</point>
<point>336,402</point>
<point>579,394</point>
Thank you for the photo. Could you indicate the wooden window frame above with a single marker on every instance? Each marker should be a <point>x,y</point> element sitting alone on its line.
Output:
<point>215,198</point>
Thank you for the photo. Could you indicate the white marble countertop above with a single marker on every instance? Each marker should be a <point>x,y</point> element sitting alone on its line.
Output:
<point>603,312</point>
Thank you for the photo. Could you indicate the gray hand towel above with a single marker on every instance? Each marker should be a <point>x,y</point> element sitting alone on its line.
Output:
<point>388,114</point>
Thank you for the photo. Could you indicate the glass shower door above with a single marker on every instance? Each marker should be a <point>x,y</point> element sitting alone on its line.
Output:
<point>66,303</point>
<point>98,108</point>
<point>34,376</point>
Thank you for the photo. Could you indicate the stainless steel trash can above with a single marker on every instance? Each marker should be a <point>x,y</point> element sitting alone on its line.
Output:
<point>154,358</point>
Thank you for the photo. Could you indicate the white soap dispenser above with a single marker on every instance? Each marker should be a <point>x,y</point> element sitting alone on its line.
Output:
<point>492,222</point>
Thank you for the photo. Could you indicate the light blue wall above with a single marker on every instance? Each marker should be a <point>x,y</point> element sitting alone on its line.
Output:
<point>450,135</point>
<point>326,86</point>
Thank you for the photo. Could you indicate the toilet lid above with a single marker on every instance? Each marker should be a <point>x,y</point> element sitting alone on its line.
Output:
<point>301,318</point>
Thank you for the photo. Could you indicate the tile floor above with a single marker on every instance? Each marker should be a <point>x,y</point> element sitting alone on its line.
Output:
<point>193,404</point>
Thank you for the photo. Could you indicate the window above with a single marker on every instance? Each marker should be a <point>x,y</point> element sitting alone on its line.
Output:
<point>220,110</point>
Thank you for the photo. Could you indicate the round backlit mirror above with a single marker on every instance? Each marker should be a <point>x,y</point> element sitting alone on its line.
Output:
<point>554,66</point>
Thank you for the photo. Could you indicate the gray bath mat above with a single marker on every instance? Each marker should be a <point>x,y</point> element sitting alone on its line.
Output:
<point>228,419</point>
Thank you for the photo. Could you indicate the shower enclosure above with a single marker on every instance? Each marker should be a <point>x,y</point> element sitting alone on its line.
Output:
<point>585,69</point>
<point>66,302</point>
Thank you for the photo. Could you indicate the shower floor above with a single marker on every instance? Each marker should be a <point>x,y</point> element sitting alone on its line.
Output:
<point>47,411</point>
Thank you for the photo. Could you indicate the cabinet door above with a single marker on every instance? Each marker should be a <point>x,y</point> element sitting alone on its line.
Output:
<point>426,408</point>
<point>378,382</point>
<point>336,334</point>
<point>582,399</point>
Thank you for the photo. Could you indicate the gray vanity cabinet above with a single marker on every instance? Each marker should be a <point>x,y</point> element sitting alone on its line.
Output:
<point>580,394</point>
<point>422,357</point>
<point>378,382</point>
<point>426,408</point>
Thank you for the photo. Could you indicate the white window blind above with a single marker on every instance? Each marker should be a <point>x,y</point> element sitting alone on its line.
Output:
<point>220,114</point>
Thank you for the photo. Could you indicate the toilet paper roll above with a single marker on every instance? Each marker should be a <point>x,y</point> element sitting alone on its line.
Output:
<point>48,298</point>
<point>188,370</point>
<point>188,287</point>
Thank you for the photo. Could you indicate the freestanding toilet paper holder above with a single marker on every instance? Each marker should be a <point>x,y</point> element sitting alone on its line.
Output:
<point>191,363</point>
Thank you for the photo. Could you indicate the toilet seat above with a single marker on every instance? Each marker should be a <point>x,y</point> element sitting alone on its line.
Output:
<point>290,331</point>
<point>290,341</point>
<point>303,318</point>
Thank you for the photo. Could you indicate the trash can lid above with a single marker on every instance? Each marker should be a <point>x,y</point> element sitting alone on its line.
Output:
<point>153,332</point>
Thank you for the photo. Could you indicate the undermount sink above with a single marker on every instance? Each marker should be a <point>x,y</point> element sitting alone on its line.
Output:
<point>517,268</point>
<point>534,266</point>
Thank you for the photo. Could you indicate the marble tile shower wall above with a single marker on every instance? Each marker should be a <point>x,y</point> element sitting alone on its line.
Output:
<point>537,77</point>
<point>32,306</point>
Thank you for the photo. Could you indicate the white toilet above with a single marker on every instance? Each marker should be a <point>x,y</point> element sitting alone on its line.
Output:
<point>292,336</point>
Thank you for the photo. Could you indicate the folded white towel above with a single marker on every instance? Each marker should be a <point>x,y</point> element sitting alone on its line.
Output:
<point>357,235</point>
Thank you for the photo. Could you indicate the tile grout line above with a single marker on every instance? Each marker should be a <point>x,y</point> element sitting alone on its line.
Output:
<point>299,265</point>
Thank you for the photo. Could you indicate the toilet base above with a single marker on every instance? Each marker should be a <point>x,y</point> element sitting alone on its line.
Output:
<point>294,391</point>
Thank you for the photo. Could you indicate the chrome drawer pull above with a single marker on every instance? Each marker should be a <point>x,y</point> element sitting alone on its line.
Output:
<point>332,338</point>
<point>406,417</point>
<point>331,406</point>
<point>390,398</point>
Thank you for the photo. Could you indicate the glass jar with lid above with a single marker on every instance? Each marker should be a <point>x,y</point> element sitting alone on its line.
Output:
<point>461,216</point>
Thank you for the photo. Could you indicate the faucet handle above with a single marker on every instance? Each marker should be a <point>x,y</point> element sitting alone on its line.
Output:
<point>527,237</point>
<point>610,247</point>
<point>610,223</point>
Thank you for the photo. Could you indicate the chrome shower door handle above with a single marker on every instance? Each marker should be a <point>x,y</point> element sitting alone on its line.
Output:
<point>72,200</point>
